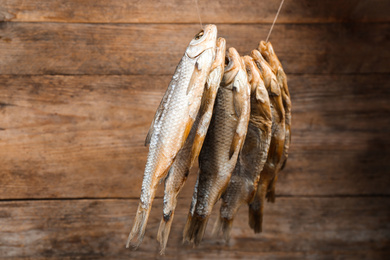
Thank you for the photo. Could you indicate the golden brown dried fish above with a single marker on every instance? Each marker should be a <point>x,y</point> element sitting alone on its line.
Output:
<point>268,52</point>
<point>246,175</point>
<point>179,170</point>
<point>276,148</point>
<point>173,121</point>
<point>222,144</point>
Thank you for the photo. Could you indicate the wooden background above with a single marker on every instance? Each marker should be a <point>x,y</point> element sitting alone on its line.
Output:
<point>80,82</point>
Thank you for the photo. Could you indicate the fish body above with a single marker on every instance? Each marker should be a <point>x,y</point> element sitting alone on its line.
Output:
<point>222,144</point>
<point>269,173</point>
<point>179,170</point>
<point>173,121</point>
<point>246,175</point>
<point>268,52</point>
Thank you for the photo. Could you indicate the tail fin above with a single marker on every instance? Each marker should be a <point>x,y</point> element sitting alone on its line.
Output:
<point>255,218</point>
<point>223,225</point>
<point>164,230</point>
<point>256,208</point>
<point>138,231</point>
<point>197,228</point>
<point>271,190</point>
<point>186,234</point>
<point>271,195</point>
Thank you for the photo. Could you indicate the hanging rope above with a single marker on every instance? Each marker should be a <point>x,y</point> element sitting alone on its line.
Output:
<point>276,17</point>
<point>197,8</point>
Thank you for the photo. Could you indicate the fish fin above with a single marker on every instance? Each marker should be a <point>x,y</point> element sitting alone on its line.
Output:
<point>271,190</point>
<point>149,135</point>
<point>197,228</point>
<point>224,226</point>
<point>217,229</point>
<point>196,147</point>
<point>256,209</point>
<point>282,79</point>
<point>274,87</point>
<point>200,134</point>
<point>259,95</point>
<point>241,129</point>
<point>138,231</point>
<point>255,219</point>
<point>235,144</point>
<point>227,225</point>
<point>187,130</point>
<point>284,164</point>
<point>164,230</point>
<point>194,77</point>
<point>186,234</point>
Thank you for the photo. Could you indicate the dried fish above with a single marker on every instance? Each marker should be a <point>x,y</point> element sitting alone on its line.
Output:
<point>179,170</point>
<point>222,144</point>
<point>173,121</point>
<point>268,52</point>
<point>275,153</point>
<point>246,175</point>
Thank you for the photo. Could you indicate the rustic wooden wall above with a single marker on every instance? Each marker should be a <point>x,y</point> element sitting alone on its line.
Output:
<point>79,84</point>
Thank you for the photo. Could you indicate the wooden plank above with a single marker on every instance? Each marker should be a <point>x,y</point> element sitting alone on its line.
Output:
<point>82,136</point>
<point>294,228</point>
<point>246,11</point>
<point>58,48</point>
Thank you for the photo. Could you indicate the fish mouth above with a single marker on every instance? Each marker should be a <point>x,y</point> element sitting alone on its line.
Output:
<point>232,65</point>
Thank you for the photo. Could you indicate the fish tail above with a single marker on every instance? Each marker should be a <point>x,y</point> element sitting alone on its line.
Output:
<point>217,229</point>
<point>224,226</point>
<point>186,234</point>
<point>138,231</point>
<point>255,219</point>
<point>197,228</point>
<point>170,202</point>
<point>163,231</point>
<point>227,228</point>
<point>256,209</point>
<point>141,218</point>
<point>271,195</point>
<point>271,190</point>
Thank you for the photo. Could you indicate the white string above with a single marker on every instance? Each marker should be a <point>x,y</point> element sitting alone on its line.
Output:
<point>197,8</point>
<point>276,17</point>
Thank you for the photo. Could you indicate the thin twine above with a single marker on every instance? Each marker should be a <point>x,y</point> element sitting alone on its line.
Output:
<point>276,17</point>
<point>197,8</point>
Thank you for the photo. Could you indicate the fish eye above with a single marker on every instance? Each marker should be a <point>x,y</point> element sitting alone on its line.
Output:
<point>199,35</point>
<point>226,60</point>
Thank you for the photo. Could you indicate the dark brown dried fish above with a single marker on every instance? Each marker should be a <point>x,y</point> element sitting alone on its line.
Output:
<point>268,52</point>
<point>245,178</point>
<point>222,145</point>
<point>275,153</point>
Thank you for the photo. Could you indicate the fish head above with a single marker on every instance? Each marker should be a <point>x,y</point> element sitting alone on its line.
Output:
<point>258,90</point>
<point>269,77</point>
<point>220,54</point>
<point>202,41</point>
<point>268,53</point>
<point>233,64</point>
<point>252,71</point>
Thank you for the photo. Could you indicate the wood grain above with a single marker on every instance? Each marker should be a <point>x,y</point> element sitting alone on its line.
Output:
<point>294,228</point>
<point>82,136</point>
<point>246,11</point>
<point>63,48</point>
